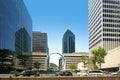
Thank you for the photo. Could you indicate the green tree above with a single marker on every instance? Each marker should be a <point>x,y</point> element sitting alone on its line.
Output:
<point>53,66</point>
<point>84,60</point>
<point>72,67</point>
<point>23,58</point>
<point>98,57</point>
<point>5,56</point>
<point>101,55</point>
<point>37,65</point>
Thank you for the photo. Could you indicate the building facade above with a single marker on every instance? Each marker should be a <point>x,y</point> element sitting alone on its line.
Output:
<point>15,26</point>
<point>39,43</point>
<point>72,59</point>
<point>68,42</point>
<point>112,60</point>
<point>40,50</point>
<point>104,24</point>
<point>40,57</point>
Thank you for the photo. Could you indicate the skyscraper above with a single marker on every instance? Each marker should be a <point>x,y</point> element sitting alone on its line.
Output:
<point>40,52</point>
<point>15,26</point>
<point>39,43</point>
<point>68,42</point>
<point>104,24</point>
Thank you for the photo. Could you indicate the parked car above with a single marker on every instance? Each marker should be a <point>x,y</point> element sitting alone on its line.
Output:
<point>95,73</point>
<point>116,73</point>
<point>65,73</point>
<point>82,73</point>
<point>27,73</point>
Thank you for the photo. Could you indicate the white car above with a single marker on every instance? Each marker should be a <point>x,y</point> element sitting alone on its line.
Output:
<point>82,74</point>
<point>95,73</point>
<point>116,73</point>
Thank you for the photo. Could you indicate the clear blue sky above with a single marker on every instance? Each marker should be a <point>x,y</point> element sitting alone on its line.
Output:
<point>54,17</point>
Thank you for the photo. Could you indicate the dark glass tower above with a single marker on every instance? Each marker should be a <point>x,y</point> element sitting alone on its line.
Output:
<point>68,42</point>
<point>39,42</point>
<point>15,26</point>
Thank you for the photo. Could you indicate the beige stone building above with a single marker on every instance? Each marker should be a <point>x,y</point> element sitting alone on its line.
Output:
<point>112,60</point>
<point>73,58</point>
<point>42,58</point>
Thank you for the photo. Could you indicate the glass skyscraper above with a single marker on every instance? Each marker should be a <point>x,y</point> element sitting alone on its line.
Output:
<point>15,26</point>
<point>68,42</point>
<point>104,24</point>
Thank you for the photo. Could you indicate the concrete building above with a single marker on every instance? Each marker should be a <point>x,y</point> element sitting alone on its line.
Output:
<point>112,59</point>
<point>40,51</point>
<point>40,57</point>
<point>73,58</point>
<point>68,42</point>
<point>104,24</point>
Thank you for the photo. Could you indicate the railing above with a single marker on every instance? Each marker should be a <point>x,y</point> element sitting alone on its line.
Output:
<point>65,78</point>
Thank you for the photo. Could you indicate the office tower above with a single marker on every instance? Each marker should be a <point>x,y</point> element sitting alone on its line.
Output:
<point>68,42</point>
<point>39,42</point>
<point>15,26</point>
<point>104,24</point>
<point>40,52</point>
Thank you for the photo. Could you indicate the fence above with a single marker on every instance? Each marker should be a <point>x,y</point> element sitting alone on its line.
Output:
<point>65,78</point>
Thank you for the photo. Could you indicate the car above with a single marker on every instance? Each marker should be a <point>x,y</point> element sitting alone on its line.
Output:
<point>82,74</point>
<point>116,73</point>
<point>27,73</point>
<point>95,73</point>
<point>65,73</point>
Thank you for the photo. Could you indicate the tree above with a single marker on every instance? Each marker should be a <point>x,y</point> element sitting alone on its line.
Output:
<point>72,67</point>
<point>23,58</point>
<point>53,66</point>
<point>101,55</point>
<point>5,56</point>
<point>98,57</point>
<point>84,60</point>
<point>37,65</point>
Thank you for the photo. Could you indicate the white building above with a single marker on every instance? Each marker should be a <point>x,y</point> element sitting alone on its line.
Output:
<point>104,24</point>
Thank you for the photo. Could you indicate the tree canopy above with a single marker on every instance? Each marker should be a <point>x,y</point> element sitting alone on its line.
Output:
<point>98,57</point>
<point>37,65</point>
<point>5,57</point>
<point>23,58</point>
<point>53,66</point>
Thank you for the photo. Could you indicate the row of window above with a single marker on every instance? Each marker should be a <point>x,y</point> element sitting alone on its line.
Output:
<point>111,6</point>
<point>111,16</point>
<point>112,25</point>
<point>111,11</point>
<point>111,30</point>
<point>111,2</point>
<point>110,39</point>
<point>112,35</point>
<point>111,20</point>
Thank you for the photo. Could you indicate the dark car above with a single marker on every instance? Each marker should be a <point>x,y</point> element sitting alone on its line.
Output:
<point>65,73</point>
<point>27,73</point>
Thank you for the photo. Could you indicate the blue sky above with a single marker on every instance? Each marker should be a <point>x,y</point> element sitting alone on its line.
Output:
<point>54,17</point>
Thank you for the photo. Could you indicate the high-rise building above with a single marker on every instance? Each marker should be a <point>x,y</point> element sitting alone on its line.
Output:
<point>40,52</point>
<point>68,42</point>
<point>39,43</point>
<point>15,26</point>
<point>104,24</point>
